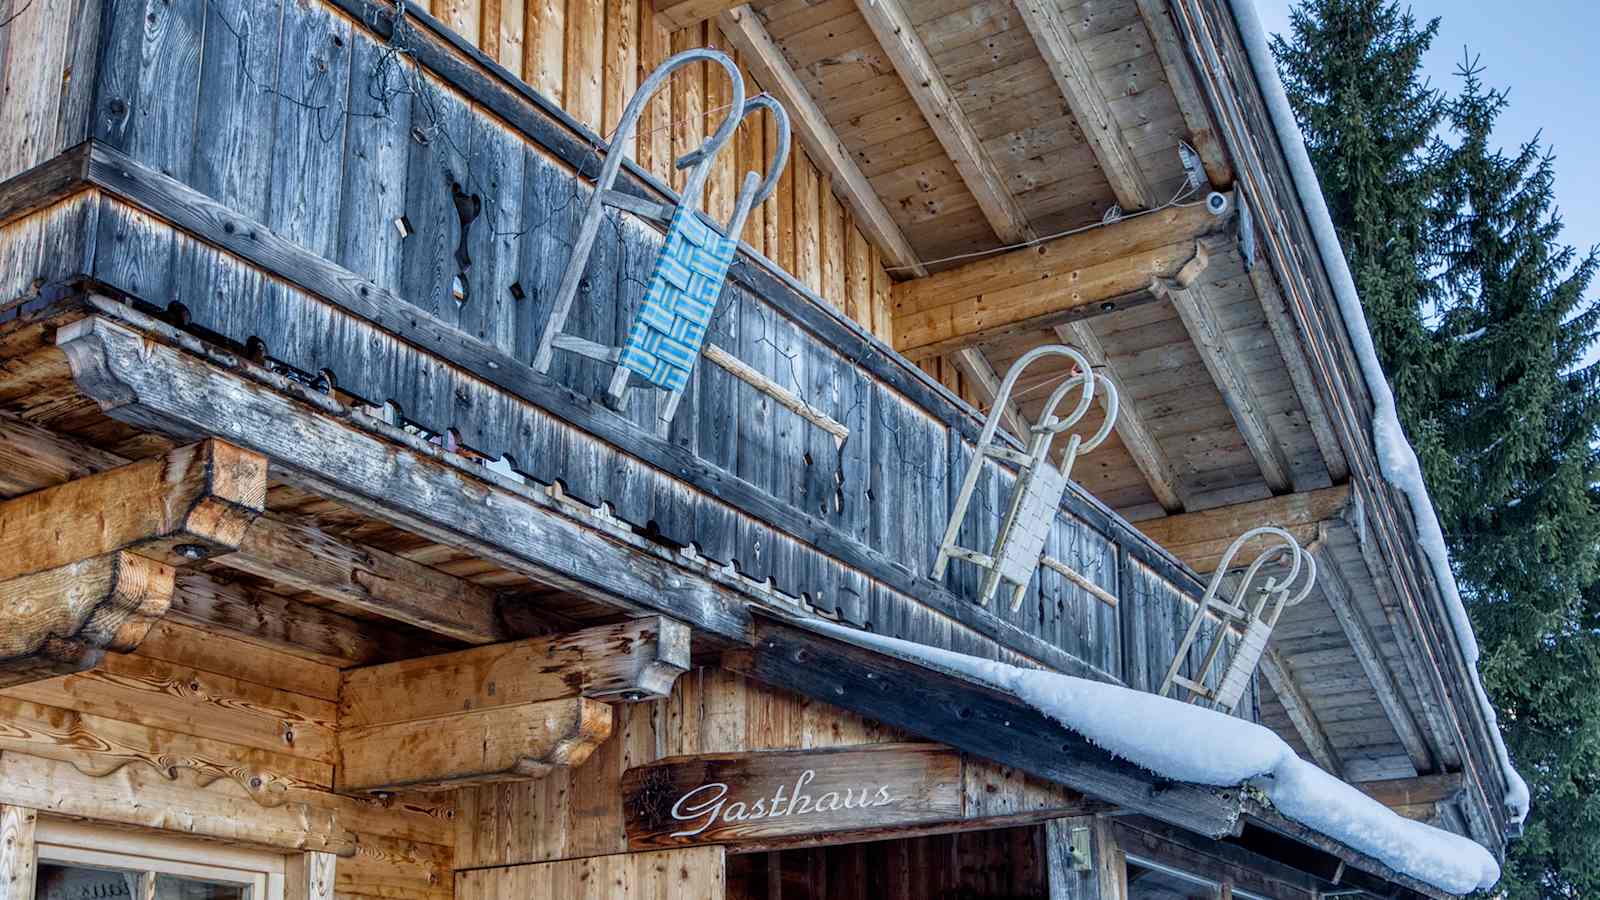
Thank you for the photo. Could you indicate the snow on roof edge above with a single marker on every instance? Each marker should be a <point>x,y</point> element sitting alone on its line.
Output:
<point>1190,743</point>
<point>1396,457</point>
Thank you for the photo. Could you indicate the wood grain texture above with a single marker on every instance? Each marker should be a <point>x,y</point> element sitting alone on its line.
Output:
<point>697,872</point>
<point>310,876</point>
<point>505,743</point>
<point>204,494</point>
<point>1200,538</point>
<point>631,661</point>
<point>764,800</point>
<point>17,864</point>
<point>64,620</point>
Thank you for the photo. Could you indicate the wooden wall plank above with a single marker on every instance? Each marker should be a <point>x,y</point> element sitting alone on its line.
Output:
<point>17,865</point>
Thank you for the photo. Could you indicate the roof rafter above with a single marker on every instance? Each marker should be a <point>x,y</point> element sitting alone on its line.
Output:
<point>975,366</point>
<point>1200,538</point>
<point>1075,78</point>
<point>1305,722</point>
<point>897,37</point>
<point>743,29</point>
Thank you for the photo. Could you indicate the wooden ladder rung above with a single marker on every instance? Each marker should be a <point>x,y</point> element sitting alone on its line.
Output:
<point>584,347</point>
<point>1009,455</point>
<point>1193,686</point>
<point>656,212</point>
<point>971,556</point>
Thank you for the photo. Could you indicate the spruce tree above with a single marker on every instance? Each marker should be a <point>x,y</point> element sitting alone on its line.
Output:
<point>1482,320</point>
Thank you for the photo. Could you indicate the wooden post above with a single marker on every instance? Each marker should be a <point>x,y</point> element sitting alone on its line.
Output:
<point>17,854</point>
<point>309,876</point>
<point>1081,860</point>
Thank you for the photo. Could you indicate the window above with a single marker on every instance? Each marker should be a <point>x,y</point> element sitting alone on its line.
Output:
<point>81,862</point>
<point>1152,881</point>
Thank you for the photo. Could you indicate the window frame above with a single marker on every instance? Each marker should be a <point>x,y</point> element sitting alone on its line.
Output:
<point>152,854</point>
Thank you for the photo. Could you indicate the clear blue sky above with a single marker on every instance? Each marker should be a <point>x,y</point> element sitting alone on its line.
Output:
<point>1544,52</point>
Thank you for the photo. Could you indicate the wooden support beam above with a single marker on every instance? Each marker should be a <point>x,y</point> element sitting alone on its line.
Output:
<point>18,867</point>
<point>630,661</point>
<point>761,54</point>
<point>1306,383</point>
<point>911,695</point>
<point>1371,656</point>
<point>1194,306</point>
<point>486,746</point>
<point>190,503</point>
<point>1058,281</point>
<point>1181,79</point>
<point>898,38</point>
<point>303,558</point>
<point>1135,436</point>
<point>975,366</point>
<point>675,14</point>
<point>1281,679</point>
<point>1076,80</point>
<point>285,552</point>
<point>1081,859</point>
<point>63,620</point>
<point>1200,538</point>
<point>1419,791</point>
<point>309,876</point>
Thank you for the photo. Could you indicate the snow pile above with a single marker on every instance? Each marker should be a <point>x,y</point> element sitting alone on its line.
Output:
<point>1185,742</point>
<point>1395,455</point>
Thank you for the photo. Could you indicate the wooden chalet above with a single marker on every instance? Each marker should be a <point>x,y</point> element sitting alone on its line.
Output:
<point>334,562</point>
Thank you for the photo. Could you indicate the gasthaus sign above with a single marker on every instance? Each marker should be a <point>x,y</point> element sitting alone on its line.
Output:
<point>774,798</point>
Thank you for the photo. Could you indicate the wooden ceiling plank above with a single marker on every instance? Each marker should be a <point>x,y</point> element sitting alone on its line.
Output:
<point>1180,77</point>
<point>761,54</point>
<point>892,27</point>
<point>1194,306</point>
<point>1423,789</point>
<point>1075,77</point>
<point>1199,538</point>
<point>675,14</point>
<point>1371,658</point>
<point>1136,437</point>
<point>1281,679</point>
<point>975,365</point>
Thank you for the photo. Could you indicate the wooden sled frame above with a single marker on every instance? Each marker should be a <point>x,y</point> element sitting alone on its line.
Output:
<point>1257,620</point>
<point>1035,497</point>
<point>753,191</point>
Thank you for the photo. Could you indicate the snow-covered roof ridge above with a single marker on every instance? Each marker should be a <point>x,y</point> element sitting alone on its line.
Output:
<point>1190,743</point>
<point>1396,457</point>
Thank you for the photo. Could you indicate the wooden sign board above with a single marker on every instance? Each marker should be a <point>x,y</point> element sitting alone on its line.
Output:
<point>774,798</point>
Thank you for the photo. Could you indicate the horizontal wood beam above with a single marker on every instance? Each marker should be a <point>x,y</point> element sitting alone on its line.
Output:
<point>892,27</point>
<point>1068,278</point>
<point>629,661</point>
<point>969,716</point>
<point>302,557</point>
<point>486,746</point>
<point>1076,80</point>
<point>188,504</point>
<point>1421,790</point>
<point>64,620</point>
<point>320,446</point>
<point>762,55</point>
<point>675,14</point>
<point>1200,538</point>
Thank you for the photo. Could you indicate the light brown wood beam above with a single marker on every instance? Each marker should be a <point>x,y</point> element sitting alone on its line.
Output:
<point>302,557</point>
<point>64,620</point>
<point>1194,306</point>
<point>1200,538</point>
<point>284,552</point>
<point>188,504</point>
<point>1418,791</point>
<point>675,14</point>
<point>309,876</point>
<point>487,746</point>
<point>1135,436</point>
<point>898,38</point>
<point>1077,83</point>
<point>1281,678</point>
<point>630,661</point>
<point>1180,77</point>
<point>1058,281</point>
<point>975,366</point>
<point>765,60</point>
<point>1370,656</point>
<point>1287,336</point>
